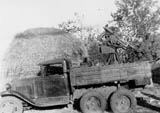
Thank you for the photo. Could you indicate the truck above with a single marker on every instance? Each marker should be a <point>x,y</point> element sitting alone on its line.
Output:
<point>88,88</point>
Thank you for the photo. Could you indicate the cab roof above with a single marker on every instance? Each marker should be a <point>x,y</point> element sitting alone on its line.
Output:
<point>54,61</point>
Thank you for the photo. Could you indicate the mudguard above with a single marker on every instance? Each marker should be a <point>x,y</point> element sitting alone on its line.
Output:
<point>143,81</point>
<point>20,96</point>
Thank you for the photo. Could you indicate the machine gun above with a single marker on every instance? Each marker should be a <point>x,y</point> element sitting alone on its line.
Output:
<point>110,38</point>
<point>110,41</point>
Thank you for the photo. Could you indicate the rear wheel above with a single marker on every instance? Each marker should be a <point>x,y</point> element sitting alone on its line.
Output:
<point>123,101</point>
<point>10,105</point>
<point>92,101</point>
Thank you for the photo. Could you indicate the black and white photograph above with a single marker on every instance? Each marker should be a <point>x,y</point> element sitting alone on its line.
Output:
<point>80,56</point>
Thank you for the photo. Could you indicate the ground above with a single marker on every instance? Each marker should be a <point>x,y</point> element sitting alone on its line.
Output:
<point>150,103</point>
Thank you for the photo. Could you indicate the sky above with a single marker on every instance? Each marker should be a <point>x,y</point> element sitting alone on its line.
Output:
<point>19,15</point>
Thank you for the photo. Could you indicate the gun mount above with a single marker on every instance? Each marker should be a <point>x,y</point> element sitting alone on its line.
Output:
<point>110,41</point>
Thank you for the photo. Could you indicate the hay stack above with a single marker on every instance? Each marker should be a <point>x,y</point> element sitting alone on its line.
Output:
<point>37,45</point>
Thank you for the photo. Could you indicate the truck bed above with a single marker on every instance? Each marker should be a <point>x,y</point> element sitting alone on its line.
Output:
<point>86,75</point>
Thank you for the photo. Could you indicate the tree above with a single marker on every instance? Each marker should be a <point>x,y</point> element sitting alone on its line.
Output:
<point>87,34</point>
<point>139,22</point>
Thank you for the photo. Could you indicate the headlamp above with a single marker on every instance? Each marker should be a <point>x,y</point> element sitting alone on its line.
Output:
<point>7,86</point>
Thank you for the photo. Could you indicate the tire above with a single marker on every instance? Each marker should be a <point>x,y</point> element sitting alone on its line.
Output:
<point>92,101</point>
<point>123,101</point>
<point>10,105</point>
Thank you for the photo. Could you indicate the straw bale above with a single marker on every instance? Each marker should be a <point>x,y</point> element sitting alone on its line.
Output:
<point>37,45</point>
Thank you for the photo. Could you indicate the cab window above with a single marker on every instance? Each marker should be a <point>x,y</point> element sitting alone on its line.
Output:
<point>55,69</point>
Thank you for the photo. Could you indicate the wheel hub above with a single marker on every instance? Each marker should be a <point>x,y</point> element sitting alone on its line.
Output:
<point>123,104</point>
<point>93,104</point>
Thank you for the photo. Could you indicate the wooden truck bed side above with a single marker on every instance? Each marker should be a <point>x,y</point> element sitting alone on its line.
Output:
<point>103,74</point>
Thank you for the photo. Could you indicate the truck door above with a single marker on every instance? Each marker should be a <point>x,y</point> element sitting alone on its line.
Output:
<point>55,87</point>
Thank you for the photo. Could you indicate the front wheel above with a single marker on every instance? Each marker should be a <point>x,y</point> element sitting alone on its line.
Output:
<point>10,105</point>
<point>92,101</point>
<point>123,101</point>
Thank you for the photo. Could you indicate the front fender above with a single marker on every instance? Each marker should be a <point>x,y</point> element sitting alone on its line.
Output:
<point>17,95</point>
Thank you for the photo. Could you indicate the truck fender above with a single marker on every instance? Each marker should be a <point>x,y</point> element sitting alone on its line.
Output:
<point>17,95</point>
<point>143,81</point>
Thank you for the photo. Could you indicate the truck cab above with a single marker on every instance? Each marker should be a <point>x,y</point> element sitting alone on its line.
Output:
<point>48,88</point>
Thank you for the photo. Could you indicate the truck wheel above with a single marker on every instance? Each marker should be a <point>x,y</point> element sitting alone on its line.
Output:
<point>10,105</point>
<point>123,101</point>
<point>92,101</point>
